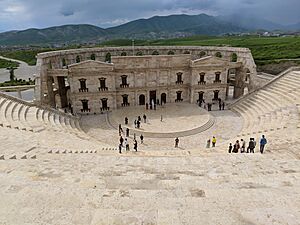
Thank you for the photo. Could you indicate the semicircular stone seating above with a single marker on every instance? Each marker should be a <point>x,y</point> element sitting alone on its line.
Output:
<point>274,110</point>
<point>24,126</point>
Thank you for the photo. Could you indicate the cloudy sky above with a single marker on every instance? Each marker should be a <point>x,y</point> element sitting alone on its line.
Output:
<point>22,14</point>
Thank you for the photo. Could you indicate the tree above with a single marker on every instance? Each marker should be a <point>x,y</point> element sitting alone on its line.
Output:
<point>11,73</point>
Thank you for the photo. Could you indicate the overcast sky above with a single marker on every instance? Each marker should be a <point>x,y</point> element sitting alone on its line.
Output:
<point>22,14</point>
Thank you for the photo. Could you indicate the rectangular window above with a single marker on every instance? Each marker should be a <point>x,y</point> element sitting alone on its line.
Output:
<point>102,84</point>
<point>124,81</point>
<point>217,78</point>
<point>83,87</point>
<point>202,78</point>
<point>85,106</point>
<point>179,78</point>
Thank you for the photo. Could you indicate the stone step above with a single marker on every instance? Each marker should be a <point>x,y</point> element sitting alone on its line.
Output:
<point>30,117</point>
<point>283,96</point>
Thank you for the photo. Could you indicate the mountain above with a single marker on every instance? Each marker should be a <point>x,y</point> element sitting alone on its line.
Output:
<point>167,26</point>
<point>251,22</point>
<point>156,27</point>
<point>294,27</point>
<point>53,35</point>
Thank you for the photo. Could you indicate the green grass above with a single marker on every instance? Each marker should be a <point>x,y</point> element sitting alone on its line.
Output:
<point>27,56</point>
<point>7,63</point>
<point>265,50</point>
<point>262,48</point>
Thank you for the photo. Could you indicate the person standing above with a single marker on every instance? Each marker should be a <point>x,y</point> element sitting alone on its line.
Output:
<point>145,118</point>
<point>251,145</point>
<point>220,105</point>
<point>127,132</point>
<point>138,123</point>
<point>214,141</point>
<point>230,148</point>
<point>236,147</point>
<point>120,129</point>
<point>121,140</point>
<point>126,121</point>
<point>243,143</point>
<point>223,106</point>
<point>120,148</point>
<point>126,144</point>
<point>176,142</point>
<point>135,122</point>
<point>161,118</point>
<point>208,143</point>
<point>142,138</point>
<point>135,145</point>
<point>263,142</point>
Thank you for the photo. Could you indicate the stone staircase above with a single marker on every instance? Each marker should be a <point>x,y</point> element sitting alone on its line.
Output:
<point>273,108</point>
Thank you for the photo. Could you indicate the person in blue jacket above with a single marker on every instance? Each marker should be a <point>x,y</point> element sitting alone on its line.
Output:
<point>263,142</point>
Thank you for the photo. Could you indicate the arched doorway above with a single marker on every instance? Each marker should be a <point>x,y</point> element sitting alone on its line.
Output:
<point>163,98</point>
<point>142,100</point>
<point>200,97</point>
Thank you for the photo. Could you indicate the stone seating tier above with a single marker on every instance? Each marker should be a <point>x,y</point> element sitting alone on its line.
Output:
<point>273,107</point>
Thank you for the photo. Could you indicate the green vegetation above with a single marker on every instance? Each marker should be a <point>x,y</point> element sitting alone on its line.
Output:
<point>265,50</point>
<point>7,63</point>
<point>269,53</point>
<point>27,56</point>
<point>17,82</point>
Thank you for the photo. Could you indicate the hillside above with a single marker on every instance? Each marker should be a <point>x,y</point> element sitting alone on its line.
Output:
<point>153,28</point>
<point>53,35</point>
<point>174,25</point>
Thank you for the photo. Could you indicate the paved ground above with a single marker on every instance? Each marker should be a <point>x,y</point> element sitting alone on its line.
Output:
<point>98,127</point>
<point>176,117</point>
<point>24,71</point>
<point>95,189</point>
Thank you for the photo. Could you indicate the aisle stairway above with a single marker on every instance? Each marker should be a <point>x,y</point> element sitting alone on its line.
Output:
<point>273,110</point>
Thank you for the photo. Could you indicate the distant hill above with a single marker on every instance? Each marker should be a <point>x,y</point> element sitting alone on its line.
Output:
<point>295,27</point>
<point>53,35</point>
<point>174,25</point>
<point>251,23</point>
<point>157,27</point>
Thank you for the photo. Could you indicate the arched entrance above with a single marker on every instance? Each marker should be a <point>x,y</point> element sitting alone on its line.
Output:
<point>163,98</point>
<point>200,97</point>
<point>142,100</point>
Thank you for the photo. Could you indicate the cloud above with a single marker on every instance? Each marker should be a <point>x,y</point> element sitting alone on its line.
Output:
<point>67,12</point>
<point>21,14</point>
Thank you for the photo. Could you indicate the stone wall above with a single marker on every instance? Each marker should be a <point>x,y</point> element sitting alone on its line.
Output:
<point>144,72</point>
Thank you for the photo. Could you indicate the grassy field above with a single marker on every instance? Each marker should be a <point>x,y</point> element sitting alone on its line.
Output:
<point>27,56</point>
<point>7,63</point>
<point>265,50</point>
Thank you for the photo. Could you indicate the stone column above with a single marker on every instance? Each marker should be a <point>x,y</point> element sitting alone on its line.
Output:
<point>239,83</point>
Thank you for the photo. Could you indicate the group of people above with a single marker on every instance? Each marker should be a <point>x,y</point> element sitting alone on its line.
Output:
<point>211,142</point>
<point>125,144</point>
<point>208,105</point>
<point>240,146</point>
<point>137,122</point>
